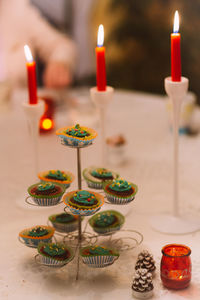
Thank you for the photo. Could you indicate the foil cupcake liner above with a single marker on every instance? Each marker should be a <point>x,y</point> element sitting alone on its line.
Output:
<point>117,200</point>
<point>73,142</point>
<point>48,261</point>
<point>94,185</point>
<point>100,261</point>
<point>33,243</point>
<point>46,201</point>
<point>107,231</point>
<point>65,227</point>
<point>83,212</point>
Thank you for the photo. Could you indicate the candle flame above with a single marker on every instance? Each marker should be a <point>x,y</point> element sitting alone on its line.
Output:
<point>100,36</point>
<point>176,22</point>
<point>28,53</point>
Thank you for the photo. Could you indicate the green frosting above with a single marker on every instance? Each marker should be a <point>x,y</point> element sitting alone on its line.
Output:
<point>120,185</point>
<point>105,219</point>
<point>101,172</point>
<point>45,187</point>
<point>54,250</point>
<point>97,250</point>
<point>57,174</point>
<point>77,131</point>
<point>38,232</point>
<point>84,197</point>
<point>64,218</point>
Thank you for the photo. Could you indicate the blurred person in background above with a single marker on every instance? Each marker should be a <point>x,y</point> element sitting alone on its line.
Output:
<point>20,24</point>
<point>73,17</point>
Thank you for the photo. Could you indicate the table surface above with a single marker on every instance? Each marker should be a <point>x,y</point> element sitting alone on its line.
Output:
<point>142,118</point>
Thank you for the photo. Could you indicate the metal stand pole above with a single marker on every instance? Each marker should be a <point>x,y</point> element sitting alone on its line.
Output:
<point>103,137</point>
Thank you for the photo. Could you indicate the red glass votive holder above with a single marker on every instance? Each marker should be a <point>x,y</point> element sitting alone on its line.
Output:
<point>175,268</point>
<point>47,119</point>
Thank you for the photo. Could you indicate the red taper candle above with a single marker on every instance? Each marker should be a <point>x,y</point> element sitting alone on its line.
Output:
<point>176,50</point>
<point>100,61</point>
<point>31,72</point>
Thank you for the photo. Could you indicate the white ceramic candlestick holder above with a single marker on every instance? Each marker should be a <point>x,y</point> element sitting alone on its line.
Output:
<point>101,100</point>
<point>33,113</point>
<point>174,223</point>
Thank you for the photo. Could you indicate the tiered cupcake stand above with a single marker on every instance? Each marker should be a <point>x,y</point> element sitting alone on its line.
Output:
<point>127,240</point>
<point>81,236</point>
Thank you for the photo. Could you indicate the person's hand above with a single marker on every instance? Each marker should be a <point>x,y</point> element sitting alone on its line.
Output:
<point>57,75</point>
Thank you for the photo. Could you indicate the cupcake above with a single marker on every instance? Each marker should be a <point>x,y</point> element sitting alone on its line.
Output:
<point>76,136</point>
<point>95,176</point>
<point>54,255</point>
<point>64,222</point>
<point>107,222</point>
<point>57,176</point>
<point>84,203</point>
<point>120,191</point>
<point>34,235</point>
<point>98,256</point>
<point>46,194</point>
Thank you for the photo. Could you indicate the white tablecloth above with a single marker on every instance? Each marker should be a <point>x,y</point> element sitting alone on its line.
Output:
<point>142,119</point>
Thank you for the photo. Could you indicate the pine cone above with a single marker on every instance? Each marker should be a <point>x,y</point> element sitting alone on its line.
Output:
<point>145,260</point>
<point>142,282</point>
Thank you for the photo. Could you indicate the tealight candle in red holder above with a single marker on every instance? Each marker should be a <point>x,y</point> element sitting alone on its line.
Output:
<point>175,268</point>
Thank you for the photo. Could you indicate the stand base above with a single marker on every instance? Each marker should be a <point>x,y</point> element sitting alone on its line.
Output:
<point>166,223</point>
